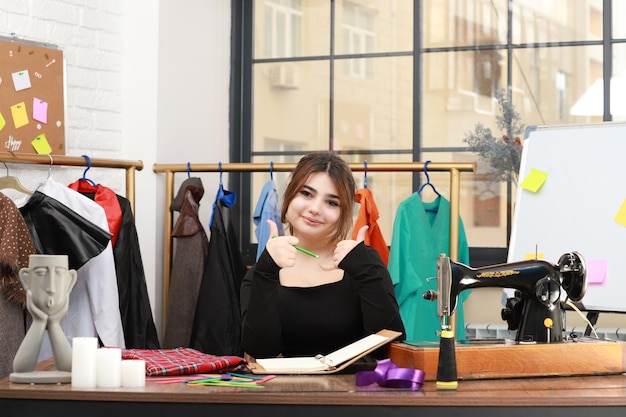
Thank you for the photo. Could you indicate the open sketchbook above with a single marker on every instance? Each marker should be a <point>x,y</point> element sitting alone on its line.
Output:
<point>324,364</point>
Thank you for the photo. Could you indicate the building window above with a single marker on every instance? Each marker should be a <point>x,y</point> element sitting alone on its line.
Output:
<point>402,80</point>
<point>283,28</point>
<point>359,37</point>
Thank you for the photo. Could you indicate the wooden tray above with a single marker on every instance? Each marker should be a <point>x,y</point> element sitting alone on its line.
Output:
<point>512,360</point>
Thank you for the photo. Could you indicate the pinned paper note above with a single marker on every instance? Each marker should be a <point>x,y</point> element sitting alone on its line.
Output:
<point>21,80</point>
<point>2,122</point>
<point>41,145</point>
<point>534,180</point>
<point>596,271</point>
<point>40,110</point>
<point>620,217</point>
<point>20,117</point>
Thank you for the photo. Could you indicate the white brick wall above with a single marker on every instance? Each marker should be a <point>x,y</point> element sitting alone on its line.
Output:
<point>123,60</point>
<point>90,33</point>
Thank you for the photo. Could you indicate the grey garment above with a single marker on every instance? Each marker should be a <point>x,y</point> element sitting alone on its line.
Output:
<point>12,331</point>
<point>190,249</point>
<point>192,185</point>
<point>187,270</point>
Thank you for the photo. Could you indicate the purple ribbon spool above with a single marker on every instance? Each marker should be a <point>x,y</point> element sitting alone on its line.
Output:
<point>388,374</point>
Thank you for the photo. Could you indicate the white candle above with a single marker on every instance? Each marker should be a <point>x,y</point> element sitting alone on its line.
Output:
<point>133,373</point>
<point>109,367</point>
<point>84,362</point>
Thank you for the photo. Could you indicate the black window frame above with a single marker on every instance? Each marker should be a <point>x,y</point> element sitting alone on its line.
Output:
<point>240,106</point>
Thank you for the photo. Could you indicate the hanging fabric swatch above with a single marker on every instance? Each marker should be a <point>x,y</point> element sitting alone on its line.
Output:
<point>368,216</point>
<point>217,324</point>
<point>421,232</point>
<point>15,248</point>
<point>189,256</point>
<point>139,329</point>
<point>94,301</point>
<point>266,209</point>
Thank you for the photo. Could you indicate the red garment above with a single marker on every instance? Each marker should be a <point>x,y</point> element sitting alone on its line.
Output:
<point>368,215</point>
<point>182,361</point>
<point>107,199</point>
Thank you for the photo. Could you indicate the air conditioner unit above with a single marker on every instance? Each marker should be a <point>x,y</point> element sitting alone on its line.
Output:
<point>284,76</point>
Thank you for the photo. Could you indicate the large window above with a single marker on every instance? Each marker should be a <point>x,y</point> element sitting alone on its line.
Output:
<point>405,80</point>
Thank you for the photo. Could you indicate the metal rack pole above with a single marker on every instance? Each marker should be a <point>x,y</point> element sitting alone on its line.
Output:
<point>455,169</point>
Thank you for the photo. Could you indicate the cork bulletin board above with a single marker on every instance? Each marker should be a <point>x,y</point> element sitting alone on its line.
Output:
<point>32,107</point>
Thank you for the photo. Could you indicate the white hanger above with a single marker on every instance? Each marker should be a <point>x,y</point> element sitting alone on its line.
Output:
<point>13,183</point>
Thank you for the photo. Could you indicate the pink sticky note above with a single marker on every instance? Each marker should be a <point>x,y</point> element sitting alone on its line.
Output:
<point>596,271</point>
<point>40,110</point>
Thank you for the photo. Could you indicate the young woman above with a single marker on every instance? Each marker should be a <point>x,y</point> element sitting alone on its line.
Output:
<point>294,303</point>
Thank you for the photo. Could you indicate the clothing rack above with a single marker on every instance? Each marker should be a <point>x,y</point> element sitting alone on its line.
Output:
<point>454,169</point>
<point>61,160</point>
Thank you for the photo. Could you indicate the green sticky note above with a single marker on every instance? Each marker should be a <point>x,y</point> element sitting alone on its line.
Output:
<point>534,180</point>
<point>41,145</point>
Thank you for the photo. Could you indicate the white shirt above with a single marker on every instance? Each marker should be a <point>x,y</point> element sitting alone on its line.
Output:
<point>94,300</point>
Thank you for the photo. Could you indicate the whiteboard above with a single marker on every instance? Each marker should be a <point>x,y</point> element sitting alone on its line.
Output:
<point>576,207</point>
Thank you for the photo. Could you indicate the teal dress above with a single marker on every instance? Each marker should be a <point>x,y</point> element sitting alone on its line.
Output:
<point>421,232</point>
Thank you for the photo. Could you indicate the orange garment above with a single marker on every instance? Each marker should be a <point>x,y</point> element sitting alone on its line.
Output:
<point>368,215</point>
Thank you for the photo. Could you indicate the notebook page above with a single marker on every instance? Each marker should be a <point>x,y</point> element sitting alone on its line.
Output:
<point>300,364</point>
<point>354,349</point>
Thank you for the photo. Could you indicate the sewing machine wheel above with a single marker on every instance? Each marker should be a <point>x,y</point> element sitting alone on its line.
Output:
<point>547,291</point>
<point>574,275</point>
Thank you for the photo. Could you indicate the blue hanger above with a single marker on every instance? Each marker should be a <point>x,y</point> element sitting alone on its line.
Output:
<point>227,198</point>
<point>188,170</point>
<point>271,170</point>
<point>84,178</point>
<point>428,180</point>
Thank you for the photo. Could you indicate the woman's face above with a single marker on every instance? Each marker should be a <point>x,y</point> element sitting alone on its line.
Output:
<point>314,211</point>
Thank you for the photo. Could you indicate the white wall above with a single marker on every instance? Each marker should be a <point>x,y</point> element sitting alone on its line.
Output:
<point>146,80</point>
<point>192,98</point>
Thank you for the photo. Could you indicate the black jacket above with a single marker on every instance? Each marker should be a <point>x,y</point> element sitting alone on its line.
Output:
<point>139,329</point>
<point>217,324</point>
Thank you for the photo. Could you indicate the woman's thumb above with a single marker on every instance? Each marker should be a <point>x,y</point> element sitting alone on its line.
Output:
<point>360,237</point>
<point>273,228</point>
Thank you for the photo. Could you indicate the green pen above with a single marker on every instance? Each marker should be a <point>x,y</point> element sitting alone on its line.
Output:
<point>301,249</point>
<point>308,252</point>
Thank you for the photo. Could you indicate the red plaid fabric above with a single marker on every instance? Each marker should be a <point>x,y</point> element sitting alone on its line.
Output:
<point>181,361</point>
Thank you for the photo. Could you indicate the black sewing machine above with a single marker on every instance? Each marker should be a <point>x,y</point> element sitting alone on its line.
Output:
<point>536,310</point>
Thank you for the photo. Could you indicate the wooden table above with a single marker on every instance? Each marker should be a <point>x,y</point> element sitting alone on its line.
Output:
<point>326,395</point>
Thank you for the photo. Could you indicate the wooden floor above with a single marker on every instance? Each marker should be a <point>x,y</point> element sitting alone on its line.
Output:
<point>326,395</point>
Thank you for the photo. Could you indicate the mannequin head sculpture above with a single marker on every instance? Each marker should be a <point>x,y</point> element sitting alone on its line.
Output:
<point>47,282</point>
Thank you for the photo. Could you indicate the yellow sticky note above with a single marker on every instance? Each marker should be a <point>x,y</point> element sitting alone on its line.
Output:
<point>20,116</point>
<point>41,145</point>
<point>534,180</point>
<point>531,256</point>
<point>620,217</point>
<point>3,122</point>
